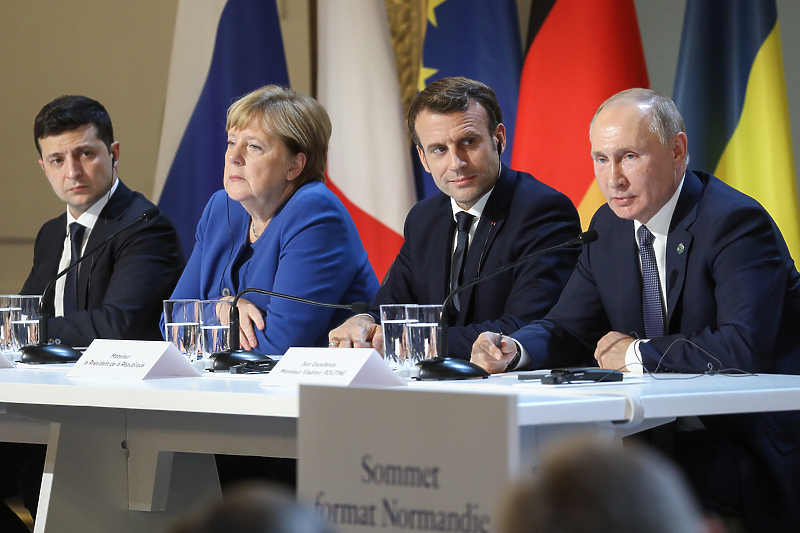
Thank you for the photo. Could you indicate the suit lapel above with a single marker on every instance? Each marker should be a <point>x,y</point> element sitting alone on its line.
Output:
<point>107,223</point>
<point>494,215</point>
<point>679,240</point>
<point>438,255</point>
<point>624,267</point>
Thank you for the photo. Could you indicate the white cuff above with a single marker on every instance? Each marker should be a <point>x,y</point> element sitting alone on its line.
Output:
<point>524,357</point>
<point>633,358</point>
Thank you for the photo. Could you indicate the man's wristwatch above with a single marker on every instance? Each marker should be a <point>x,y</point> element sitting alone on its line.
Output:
<point>515,361</point>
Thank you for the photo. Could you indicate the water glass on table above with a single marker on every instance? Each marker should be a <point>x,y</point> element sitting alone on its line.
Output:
<point>394,318</point>
<point>7,305</point>
<point>182,327</point>
<point>423,321</point>
<point>24,320</point>
<point>214,328</point>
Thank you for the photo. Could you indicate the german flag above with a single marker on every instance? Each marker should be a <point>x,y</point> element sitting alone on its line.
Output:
<point>731,91</point>
<point>580,54</point>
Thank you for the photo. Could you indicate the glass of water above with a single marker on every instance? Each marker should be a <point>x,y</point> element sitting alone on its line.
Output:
<point>393,322</point>
<point>214,326</point>
<point>182,327</point>
<point>422,332</point>
<point>24,312</point>
<point>7,305</point>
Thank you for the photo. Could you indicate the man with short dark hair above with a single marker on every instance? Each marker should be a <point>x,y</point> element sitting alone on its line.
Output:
<point>117,293</point>
<point>457,127</point>
<point>687,275</point>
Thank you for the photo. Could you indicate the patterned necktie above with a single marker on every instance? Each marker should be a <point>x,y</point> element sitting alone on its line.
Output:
<point>71,281</point>
<point>651,290</point>
<point>463,223</point>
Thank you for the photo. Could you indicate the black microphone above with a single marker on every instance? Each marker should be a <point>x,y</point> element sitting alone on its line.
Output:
<point>46,352</point>
<point>236,355</point>
<point>444,367</point>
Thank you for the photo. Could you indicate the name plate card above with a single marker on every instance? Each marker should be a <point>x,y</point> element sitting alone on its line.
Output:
<point>411,461</point>
<point>5,363</point>
<point>135,360</point>
<point>328,366</point>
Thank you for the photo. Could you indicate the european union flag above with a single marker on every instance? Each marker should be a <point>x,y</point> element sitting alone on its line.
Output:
<point>478,40</point>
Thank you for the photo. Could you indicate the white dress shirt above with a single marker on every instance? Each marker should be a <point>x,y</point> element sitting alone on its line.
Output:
<point>87,220</point>
<point>659,227</point>
<point>476,211</point>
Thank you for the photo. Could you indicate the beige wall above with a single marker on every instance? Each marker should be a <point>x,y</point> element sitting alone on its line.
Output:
<point>117,51</point>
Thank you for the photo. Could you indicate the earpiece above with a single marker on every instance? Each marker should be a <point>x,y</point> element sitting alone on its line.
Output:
<point>499,146</point>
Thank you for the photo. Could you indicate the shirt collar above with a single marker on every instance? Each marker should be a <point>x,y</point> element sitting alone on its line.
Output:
<point>476,210</point>
<point>659,224</point>
<point>89,217</point>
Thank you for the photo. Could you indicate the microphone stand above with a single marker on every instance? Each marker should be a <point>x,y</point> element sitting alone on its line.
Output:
<point>444,367</point>
<point>236,354</point>
<point>48,352</point>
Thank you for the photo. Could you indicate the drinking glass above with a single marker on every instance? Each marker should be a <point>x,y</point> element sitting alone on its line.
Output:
<point>422,332</point>
<point>182,327</point>
<point>24,320</point>
<point>7,304</point>
<point>393,321</point>
<point>214,327</point>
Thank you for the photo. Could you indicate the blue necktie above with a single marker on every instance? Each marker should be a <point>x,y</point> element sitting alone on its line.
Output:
<point>463,224</point>
<point>71,281</point>
<point>651,290</point>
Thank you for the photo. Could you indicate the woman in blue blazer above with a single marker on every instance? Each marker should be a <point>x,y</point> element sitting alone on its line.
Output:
<point>276,226</point>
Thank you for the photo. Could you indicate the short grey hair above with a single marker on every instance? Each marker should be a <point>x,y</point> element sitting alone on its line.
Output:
<point>666,121</point>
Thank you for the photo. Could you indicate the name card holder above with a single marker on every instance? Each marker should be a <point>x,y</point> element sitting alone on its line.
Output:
<point>134,360</point>
<point>327,366</point>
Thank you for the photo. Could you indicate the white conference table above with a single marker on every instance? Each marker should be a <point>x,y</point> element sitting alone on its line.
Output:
<point>111,462</point>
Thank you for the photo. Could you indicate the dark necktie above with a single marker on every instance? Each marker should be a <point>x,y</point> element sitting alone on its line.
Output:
<point>651,290</point>
<point>71,281</point>
<point>463,224</point>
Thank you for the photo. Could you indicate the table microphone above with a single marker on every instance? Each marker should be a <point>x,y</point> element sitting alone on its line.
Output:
<point>236,355</point>
<point>47,352</point>
<point>444,367</point>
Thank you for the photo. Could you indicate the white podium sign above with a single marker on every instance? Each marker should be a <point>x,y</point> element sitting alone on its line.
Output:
<point>387,459</point>
<point>327,366</point>
<point>135,360</point>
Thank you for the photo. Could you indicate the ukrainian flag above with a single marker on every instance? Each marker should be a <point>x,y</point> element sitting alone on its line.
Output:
<point>731,91</point>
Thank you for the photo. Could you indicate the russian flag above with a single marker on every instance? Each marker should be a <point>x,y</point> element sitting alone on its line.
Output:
<point>581,53</point>
<point>369,164</point>
<point>478,40</point>
<point>222,50</point>
<point>731,91</point>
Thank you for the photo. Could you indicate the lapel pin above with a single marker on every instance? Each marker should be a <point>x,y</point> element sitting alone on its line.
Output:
<point>681,248</point>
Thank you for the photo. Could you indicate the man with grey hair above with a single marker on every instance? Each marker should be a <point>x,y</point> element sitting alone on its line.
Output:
<point>688,275</point>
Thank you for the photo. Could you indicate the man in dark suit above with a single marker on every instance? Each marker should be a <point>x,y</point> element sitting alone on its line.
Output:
<point>456,124</point>
<point>714,289</point>
<point>117,293</point>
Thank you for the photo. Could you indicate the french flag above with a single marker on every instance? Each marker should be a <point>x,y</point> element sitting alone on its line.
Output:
<point>369,163</point>
<point>222,50</point>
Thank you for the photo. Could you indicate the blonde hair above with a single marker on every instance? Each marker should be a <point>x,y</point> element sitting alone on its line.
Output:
<point>298,120</point>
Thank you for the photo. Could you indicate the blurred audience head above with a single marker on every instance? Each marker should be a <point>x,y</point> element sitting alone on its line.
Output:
<point>253,507</point>
<point>585,486</point>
